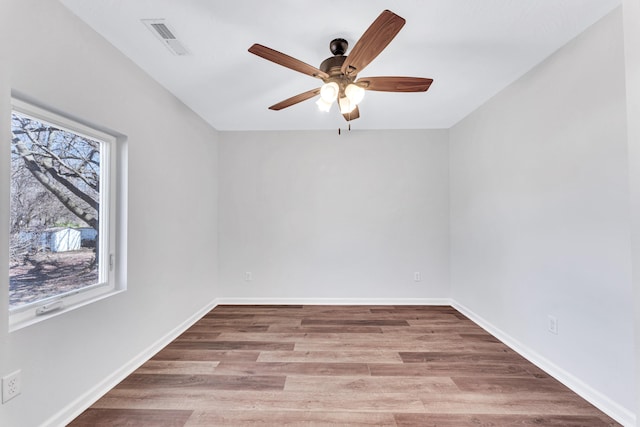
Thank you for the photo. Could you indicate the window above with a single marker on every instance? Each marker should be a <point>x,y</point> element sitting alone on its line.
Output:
<point>62,214</point>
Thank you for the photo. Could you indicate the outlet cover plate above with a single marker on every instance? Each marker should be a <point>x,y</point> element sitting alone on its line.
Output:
<point>11,386</point>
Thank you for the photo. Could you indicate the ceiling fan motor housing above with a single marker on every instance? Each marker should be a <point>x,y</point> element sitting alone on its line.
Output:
<point>333,65</point>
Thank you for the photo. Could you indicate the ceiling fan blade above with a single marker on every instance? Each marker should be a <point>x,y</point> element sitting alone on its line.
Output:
<point>395,84</point>
<point>373,41</point>
<point>355,114</point>
<point>287,61</point>
<point>295,99</point>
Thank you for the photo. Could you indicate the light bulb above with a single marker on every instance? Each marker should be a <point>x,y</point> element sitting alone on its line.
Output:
<point>329,91</point>
<point>323,105</point>
<point>355,93</point>
<point>346,106</point>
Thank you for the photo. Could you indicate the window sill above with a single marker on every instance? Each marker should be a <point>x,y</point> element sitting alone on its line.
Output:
<point>23,318</point>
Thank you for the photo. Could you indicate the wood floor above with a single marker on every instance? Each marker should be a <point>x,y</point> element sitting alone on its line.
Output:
<point>339,366</point>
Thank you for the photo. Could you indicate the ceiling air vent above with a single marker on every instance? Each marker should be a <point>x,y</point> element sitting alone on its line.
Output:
<point>162,31</point>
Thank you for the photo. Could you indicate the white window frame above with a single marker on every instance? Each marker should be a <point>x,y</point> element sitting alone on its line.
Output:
<point>107,285</point>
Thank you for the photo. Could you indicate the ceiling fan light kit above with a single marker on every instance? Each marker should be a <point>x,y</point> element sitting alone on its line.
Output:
<point>329,92</point>
<point>323,105</point>
<point>355,93</point>
<point>339,72</point>
<point>346,106</point>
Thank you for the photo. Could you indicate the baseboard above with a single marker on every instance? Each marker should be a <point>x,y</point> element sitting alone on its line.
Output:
<point>334,301</point>
<point>597,399</point>
<point>75,408</point>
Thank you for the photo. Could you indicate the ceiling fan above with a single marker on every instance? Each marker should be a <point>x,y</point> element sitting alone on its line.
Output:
<point>339,72</point>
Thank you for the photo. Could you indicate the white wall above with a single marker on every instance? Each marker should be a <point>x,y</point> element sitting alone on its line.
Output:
<point>58,61</point>
<point>631,10</point>
<point>316,215</point>
<point>540,216</point>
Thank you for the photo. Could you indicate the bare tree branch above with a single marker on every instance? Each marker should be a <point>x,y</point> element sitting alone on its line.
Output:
<point>38,171</point>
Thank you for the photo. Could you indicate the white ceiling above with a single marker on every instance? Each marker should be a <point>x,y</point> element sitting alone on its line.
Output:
<point>471,48</point>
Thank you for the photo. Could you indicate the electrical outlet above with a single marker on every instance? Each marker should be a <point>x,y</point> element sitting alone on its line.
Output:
<point>248,276</point>
<point>552,324</point>
<point>11,386</point>
<point>417,276</point>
